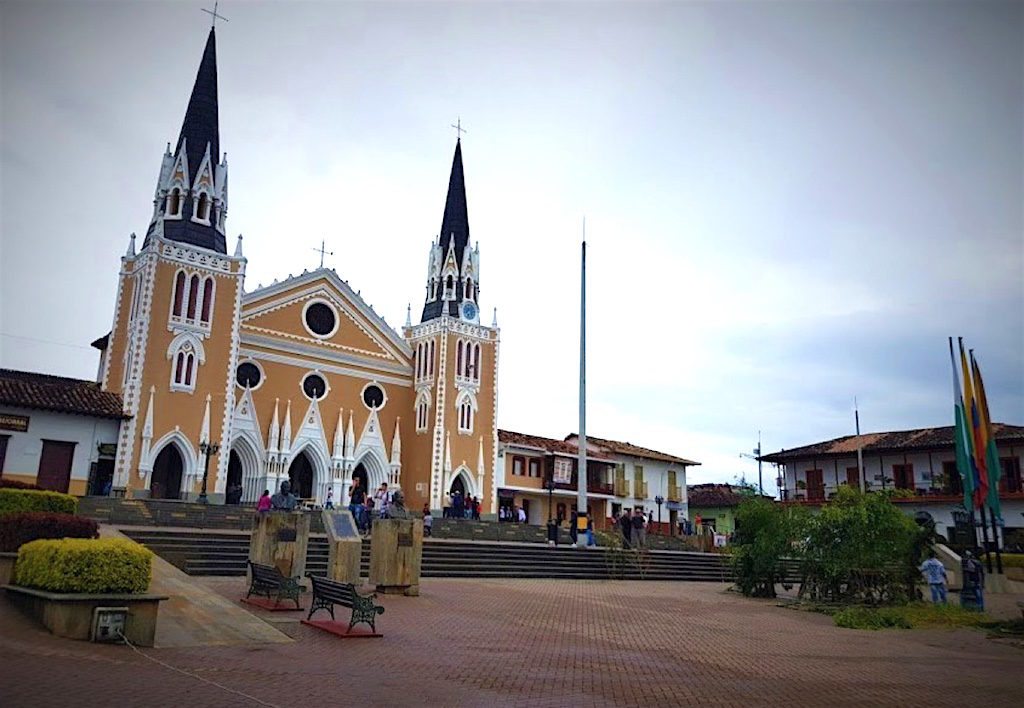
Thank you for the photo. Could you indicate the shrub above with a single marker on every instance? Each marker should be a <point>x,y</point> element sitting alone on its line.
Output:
<point>78,565</point>
<point>765,533</point>
<point>15,500</point>
<point>870,618</point>
<point>1013,560</point>
<point>15,484</point>
<point>912,616</point>
<point>22,527</point>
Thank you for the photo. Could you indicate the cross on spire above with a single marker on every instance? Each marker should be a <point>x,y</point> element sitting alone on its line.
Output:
<point>213,14</point>
<point>458,128</point>
<point>323,252</point>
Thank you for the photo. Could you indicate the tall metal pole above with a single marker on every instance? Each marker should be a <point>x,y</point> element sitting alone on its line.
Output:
<point>860,452</point>
<point>581,476</point>
<point>760,479</point>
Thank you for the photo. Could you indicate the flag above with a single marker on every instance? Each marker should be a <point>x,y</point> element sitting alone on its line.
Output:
<point>991,453</point>
<point>977,452</point>
<point>964,463</point>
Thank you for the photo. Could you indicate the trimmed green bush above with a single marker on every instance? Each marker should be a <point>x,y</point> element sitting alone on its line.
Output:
<point>79,565</point>
<point>15,500</point>
<point>915,615</point>
<point>24,527</point>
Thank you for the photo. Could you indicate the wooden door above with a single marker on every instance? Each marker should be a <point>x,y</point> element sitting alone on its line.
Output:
<point>55,465</point>
<point>852,478</point>
<point>815,484</point>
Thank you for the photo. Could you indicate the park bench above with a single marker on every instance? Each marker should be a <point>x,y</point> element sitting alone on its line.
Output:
<point>328,593</point>
<point>270,582</point>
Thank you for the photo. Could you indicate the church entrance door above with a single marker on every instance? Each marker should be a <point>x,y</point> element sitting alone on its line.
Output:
<point>458,485</point>
<point>300,473</point>
<point>166,481</point>
<point>364,479</point>
<point>234,485</point>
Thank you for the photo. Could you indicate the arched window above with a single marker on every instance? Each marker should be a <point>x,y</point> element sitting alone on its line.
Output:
<point>174,202</point>
<point>458,364</point>
<point>179,293</point>
<point>449,288</point>
<point>422,414</point>
<point>476,362</point>
<point>433,288</point>
<point>469,289</point>
<point>203,208</point>
<point>207,300</point>
<point>193,296</point>
<point>179,367</point>
<point>190,360</point>
<point>466,417</point>
<point>431,372</point>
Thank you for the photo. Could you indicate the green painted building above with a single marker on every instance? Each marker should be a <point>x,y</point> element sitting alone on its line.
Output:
<point>715,506</point>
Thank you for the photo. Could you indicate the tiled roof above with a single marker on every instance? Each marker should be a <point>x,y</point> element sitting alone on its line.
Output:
<point>710,495</point>
<point>547,444</point>
<point>898,441</point>
<point>627,448</point>
<point>26,389</point>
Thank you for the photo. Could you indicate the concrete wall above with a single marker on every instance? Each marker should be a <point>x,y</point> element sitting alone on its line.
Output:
<point>24,449</point>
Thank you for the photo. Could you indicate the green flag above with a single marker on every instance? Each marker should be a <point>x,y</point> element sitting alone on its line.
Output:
<point>961,437</point>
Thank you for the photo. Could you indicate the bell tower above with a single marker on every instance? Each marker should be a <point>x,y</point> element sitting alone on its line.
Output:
<point>173,344</point>
<point>455,364</point>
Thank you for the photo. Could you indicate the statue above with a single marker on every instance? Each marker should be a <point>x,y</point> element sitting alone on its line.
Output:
<point>397,509</point>
<point>284,500</point>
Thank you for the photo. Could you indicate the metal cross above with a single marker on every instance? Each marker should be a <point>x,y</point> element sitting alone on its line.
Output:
<point>214,14</point>
<point>323,252</point>
<point>458,128</point>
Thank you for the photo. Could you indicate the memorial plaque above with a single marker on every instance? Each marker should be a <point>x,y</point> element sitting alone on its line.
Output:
<point>404,539</point>
<point>344,546</point>
<point>286,534</point>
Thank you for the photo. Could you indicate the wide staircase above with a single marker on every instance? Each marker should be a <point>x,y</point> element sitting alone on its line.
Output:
<point>225,554</point>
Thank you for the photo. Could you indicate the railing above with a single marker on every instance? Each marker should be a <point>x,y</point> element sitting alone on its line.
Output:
<point>675,493</point>
<point>639,489</point>
<point>592,487</point>
<point>621,488</point>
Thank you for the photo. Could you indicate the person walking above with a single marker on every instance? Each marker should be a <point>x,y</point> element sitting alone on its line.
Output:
<point>626,527</point>
<point>935,573</point>
<point>591,542</point>
<point>574,534</point>
<point>264,502</point>
<point>357,503</point>
<point>329,504</point>
<point>972,594</point>
<point>639,532</point>
<point>428,521</point>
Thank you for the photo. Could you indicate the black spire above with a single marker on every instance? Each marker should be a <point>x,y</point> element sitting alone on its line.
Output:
<point>199,129</point>
<point>454,227</point>
<point>456,218</point>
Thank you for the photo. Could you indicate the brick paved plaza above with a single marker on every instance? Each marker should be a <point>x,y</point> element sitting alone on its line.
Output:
<point>552,643</point>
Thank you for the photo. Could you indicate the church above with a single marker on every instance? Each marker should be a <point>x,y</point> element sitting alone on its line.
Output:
<point>300,380</point>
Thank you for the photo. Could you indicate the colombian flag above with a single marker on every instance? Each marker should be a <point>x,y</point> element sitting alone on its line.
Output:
<point>991,454</point>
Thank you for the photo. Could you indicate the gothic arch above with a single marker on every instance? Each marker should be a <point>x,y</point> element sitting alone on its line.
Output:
<point>376,468</point>
<point>249,455</point>
<point>468,482</point>
<point>320,463</point>
<point>185,451</point>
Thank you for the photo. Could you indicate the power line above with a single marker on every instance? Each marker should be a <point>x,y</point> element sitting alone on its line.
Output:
<point>43,341</point>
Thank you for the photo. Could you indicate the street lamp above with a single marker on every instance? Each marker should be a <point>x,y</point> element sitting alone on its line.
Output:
<point>207,448</point>
<point>757,456</point>
<point>659,500</point>
<point>549,483</point>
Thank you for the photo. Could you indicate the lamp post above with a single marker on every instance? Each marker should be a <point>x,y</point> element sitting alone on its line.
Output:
<point>659,500</point>
<point>757,456</point>
<point>552,526</point>
<point>207,448</point>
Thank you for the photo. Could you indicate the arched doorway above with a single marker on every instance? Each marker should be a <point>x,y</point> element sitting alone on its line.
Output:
<point>458,485</point>
<point>166,480</point>
<point>300,473</point>
<point>364,479</point>
<point>233,490</point>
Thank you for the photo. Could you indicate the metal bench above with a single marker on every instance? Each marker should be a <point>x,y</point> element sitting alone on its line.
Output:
<point>328,593</point>
<point>269,582</point>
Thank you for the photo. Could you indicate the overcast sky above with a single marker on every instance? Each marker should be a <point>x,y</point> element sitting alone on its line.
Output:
<point>787,204</point>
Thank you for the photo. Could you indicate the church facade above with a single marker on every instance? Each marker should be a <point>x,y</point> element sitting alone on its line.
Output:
<point>300,380</point>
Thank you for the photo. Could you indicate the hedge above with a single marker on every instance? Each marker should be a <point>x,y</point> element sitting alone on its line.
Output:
<point>15,500</point>
<point>15,484</point>
<point>23,527</point>
<point>79,565</point>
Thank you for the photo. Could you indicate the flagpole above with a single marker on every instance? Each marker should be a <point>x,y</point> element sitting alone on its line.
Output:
<point>581,473</point>
<point>860,451</point>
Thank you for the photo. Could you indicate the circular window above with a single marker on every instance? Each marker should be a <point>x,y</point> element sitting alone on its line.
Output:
<point>248,375</point>
<point>314,386</point>
<point>373,396</point>
<point>320,319</point>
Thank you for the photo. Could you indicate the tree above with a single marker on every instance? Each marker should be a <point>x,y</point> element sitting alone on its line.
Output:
<point>766,534</point>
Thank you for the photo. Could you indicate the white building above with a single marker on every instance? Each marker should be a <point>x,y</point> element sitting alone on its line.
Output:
<point>922,462</point>
<point>57,433</point>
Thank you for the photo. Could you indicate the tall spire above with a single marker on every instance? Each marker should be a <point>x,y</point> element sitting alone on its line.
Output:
<point>191,197</point>
<point>454,266</point>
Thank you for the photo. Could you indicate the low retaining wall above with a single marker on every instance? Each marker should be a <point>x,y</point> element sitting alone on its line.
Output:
<point>70,614</point>
<point>7,561</point>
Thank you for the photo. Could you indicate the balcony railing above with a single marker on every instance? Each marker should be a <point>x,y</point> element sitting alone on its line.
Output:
<point>621,488</point>
<point>639,489</point>
<point>675,493</point>
<point>592,487</point>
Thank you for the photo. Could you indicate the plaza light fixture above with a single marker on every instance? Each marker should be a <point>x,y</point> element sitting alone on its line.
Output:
<point>207,448</point>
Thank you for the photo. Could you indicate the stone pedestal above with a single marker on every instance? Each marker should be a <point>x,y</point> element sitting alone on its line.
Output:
<point>280,538</point>
<point>344,546</point>
<point>396,552</point>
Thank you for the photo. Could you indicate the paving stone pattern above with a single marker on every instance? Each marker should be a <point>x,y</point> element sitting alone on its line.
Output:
<point>534,643</point>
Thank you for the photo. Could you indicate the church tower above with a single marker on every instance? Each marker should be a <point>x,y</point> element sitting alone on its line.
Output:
<point>173,345</point>
<point>455,364</point>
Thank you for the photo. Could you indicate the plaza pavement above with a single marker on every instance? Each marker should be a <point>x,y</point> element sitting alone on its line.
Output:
<point>532,643</point>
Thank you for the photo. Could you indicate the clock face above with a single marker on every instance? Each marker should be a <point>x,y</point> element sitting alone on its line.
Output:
<point>469,311</point>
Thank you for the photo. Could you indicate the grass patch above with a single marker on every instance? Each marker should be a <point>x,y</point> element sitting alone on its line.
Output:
<point>916,615</point>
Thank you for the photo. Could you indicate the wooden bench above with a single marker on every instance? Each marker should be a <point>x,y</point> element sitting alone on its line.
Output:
<point>328,593</point>
<point>271,583</point>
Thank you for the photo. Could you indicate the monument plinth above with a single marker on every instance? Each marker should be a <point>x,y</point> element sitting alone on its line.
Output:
<point>280,539</point>
<point>396,552</point>
<point>344,546</point>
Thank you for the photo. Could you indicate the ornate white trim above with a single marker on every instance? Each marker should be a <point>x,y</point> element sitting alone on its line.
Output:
<point>327,368</point>
<point>334,311</point>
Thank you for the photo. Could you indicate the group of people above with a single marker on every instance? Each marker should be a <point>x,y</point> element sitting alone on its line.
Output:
<point>514,514</point>
<point>633,527</point>
<point>971,594</point>
<point>462,507</point>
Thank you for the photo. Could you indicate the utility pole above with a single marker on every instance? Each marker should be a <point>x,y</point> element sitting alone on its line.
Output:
<point>581,475</point>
